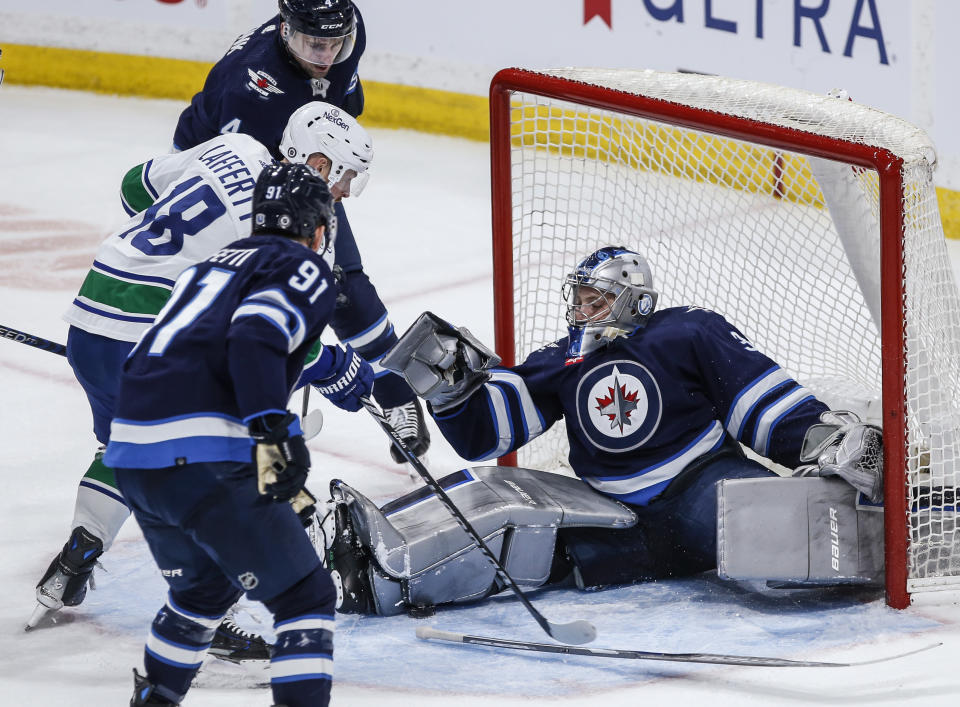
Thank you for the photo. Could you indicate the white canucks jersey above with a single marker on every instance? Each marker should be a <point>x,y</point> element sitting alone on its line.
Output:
<point>185,207</point>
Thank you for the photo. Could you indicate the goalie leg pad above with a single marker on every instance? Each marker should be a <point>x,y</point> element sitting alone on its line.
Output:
<point>798,531</point>
<point>422,557</point>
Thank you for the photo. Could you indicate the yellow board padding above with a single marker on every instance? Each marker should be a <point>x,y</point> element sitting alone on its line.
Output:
<point>101,72</point>
<point>387,105</point>
<point>458,115</point>
<point>949,201</point>
<point>643,145</point>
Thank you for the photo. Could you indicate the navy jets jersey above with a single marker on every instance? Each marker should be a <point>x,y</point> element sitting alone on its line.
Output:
<point>256,85</point>
<point>229,345</point>
<point>644,408</point>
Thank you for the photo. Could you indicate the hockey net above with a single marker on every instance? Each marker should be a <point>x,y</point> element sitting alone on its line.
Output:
<point>810,222</point>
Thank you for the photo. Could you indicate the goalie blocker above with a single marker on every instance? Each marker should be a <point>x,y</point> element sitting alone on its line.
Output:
<point>411,554</point>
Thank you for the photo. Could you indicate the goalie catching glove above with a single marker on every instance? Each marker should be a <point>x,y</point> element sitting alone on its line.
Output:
<point>844,446</point>
<point>443,364</point>
<point>280,455</point>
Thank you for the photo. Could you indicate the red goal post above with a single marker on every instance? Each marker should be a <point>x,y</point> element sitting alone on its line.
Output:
<point>810,222</point>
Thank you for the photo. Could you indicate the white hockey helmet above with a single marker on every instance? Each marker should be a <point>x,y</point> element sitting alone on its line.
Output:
<point>322,127</point>
<point>609,294</point>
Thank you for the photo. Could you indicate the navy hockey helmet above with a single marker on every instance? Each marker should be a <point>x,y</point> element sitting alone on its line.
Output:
<point>321,32</point>
<point>609,294</point>
<point>292,200</point>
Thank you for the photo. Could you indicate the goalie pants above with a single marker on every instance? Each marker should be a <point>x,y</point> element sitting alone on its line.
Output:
<point>675,534</point>
<point>212,536</point>
<point>361,317</point>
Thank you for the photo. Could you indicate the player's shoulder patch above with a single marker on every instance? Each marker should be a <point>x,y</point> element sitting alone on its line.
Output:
<point>262,83</point>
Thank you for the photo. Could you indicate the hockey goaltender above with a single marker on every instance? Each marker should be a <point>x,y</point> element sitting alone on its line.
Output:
<point>657,404</point>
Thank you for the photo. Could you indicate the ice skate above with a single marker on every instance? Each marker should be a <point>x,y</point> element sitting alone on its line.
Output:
<point>237,645</point>
<point>409,423</point>
<point>144,693</point>
<point>65,581</point>
<point>345,558</point>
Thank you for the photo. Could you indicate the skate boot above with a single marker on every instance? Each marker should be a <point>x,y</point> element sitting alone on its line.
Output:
<point>144,693</point>
<point>65,581</point>
<point>232,643</point>
<point>409,423</point>
<point>345,558</point>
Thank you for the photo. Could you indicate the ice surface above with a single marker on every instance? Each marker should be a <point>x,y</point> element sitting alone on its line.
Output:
<point>423,227</point>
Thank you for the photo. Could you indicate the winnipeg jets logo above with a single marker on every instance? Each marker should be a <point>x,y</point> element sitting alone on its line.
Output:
<point>320,87</point>
<point>262,82</point>
<point>618,405</point>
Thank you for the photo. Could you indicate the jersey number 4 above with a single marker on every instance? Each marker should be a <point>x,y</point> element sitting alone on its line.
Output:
<point>183,212</point>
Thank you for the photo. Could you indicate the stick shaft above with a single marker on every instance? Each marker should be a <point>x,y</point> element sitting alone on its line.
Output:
<point>428,633</point>
<point>22,337</point>
<point>458,516</point>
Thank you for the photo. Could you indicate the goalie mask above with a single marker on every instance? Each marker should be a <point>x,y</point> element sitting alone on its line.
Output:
<point>609,294</point>
<point>331,131</point>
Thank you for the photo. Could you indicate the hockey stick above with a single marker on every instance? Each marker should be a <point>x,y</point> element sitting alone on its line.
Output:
<point>22,337</point>
<point>575,632</point>
<point>311,423</point>
<point>426,633</point>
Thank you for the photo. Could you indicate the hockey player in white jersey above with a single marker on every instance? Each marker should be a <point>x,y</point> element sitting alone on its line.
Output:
<point>657,405</point>
<point>184,207</point>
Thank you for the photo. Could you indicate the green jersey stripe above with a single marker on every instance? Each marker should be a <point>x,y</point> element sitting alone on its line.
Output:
<point>132,189</point>
<point>124,296</point>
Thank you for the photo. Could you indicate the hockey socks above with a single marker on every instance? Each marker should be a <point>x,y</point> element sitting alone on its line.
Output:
<point>100,507</point>
<point>302,664</point>
<point>178,641</point>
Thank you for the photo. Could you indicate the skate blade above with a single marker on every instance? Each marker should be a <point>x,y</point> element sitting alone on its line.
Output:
<point>38,613</point>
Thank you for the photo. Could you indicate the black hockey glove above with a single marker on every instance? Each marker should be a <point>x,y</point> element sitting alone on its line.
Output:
<point>281,458</point>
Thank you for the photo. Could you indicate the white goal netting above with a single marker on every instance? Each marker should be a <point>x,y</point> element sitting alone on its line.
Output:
<point>734,216</point>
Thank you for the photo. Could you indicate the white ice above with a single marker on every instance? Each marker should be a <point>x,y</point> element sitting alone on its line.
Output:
<point>423,227</point>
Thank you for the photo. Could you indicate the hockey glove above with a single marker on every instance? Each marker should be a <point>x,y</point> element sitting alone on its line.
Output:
<point>280,455</point>
<point>442,363</point>
<point>351,378</point>
<point>843,446</point>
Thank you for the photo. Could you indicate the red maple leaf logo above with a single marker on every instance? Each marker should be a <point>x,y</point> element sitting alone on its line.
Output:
<point>262,82</point>
<point>607,400</point>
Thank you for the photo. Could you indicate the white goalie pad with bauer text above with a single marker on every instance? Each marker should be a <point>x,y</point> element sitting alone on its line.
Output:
<point>797,532</point>
<point>422,557</point>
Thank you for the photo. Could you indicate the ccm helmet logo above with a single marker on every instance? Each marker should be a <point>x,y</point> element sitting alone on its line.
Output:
<point>336,26</point>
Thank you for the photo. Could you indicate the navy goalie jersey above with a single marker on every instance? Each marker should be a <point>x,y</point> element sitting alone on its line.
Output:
<point>256,85</point>
<point>641,410</point>
<point>229,345</point>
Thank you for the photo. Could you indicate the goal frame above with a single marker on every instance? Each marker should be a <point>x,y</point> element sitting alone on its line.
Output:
<point>887,165</point>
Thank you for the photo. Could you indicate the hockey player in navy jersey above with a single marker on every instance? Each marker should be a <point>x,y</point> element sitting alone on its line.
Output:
<point>656,404</point>
<point>309,51</point>
<point>208,457</point>
<point>184,207</point>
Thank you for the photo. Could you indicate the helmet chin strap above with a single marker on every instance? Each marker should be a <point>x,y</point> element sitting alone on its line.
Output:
<point>611,332</point>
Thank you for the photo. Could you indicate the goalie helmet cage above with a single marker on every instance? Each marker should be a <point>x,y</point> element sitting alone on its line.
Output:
<point>810,222</point>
